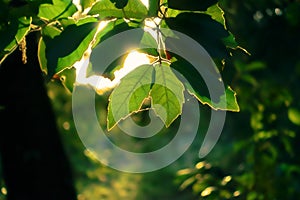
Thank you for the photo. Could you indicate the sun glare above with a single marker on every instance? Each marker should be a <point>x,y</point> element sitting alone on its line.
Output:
<point>101,84</point>
<point>146,3</point>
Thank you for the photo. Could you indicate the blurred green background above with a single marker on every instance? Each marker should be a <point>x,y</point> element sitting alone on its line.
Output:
<point>257,155</point>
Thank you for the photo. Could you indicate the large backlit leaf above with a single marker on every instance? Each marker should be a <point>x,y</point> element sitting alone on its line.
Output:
<point>133,9</point>
<point>57,10</point>
<point>193,5</point>
<point>167,94</point>
<point>197,87</point>
<point>202,28</point>
<point>129,95</point>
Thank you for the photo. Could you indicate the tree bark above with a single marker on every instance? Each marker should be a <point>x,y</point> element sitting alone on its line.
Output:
<point>34,164</point>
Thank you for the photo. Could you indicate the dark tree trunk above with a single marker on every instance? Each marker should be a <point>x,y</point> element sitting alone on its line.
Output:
<point>35,166</point>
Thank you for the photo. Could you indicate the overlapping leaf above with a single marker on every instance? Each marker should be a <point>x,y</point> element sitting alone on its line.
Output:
<point>167,94</point>
<point>129,95</point>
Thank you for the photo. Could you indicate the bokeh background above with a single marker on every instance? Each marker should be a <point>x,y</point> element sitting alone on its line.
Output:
<point>257,155</point>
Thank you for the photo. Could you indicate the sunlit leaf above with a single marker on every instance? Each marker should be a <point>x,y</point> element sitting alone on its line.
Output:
<point>129,95</point>
<point>216,13</point>
<point>42,56</point>
<point>133,9</point>
<point>57,10</point>
<point>167,94</point>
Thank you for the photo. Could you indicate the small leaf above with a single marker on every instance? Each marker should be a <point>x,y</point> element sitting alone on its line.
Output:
<point>129,95</point>
<point>57,10</point>
<point>230,41</point>
<point>294,116</point>
<point>192,5</point>
<point>42,56</point>
<point>133,9</point>
<point>167,94</point>
<point>216,14</point>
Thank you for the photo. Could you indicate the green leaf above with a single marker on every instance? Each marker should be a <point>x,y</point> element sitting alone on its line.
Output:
<point>57,10</point>
<point>133,9</point>
<point>153,8</point>
<point>192,5</point>
<point>65,49</point>
<point>48,32</point>
<point>116,27</point>
<point>42,56</point>
<point>294,116</point>
<point>227,101</point>
<point>216,14</point>
<point>149,42</point>
<point>167,94</point>
<point>129,95</point>
<point>202,28</point>
<point>196,86</point>
<point>230,41</point>
<point>23,28</point>
<point>87,3</point>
